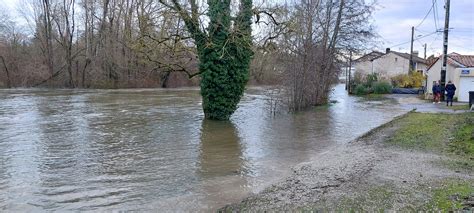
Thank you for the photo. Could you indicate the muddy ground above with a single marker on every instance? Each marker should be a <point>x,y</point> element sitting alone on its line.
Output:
<point>366,174</point>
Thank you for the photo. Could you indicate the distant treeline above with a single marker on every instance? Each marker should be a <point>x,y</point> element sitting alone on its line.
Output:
<point>299,45</point>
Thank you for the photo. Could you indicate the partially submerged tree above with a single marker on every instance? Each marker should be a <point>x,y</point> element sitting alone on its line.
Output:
<point>322,33</point>
<point>224,50</point>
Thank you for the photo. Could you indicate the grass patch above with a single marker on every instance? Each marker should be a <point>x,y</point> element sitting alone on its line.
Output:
<point>451,133</point>
<point>463,142</point>
<point>423,131</point>
<point>460,107</point>
<point>453,195</point>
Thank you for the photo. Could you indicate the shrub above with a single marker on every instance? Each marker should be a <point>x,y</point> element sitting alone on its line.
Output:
<point>360,90</point>
<point>371,79</point>
<point>412,80</point>
<point>382,87</point>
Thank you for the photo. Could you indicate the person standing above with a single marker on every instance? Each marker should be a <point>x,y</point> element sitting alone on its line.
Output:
<point>450,91</point>
<point>436,92</point>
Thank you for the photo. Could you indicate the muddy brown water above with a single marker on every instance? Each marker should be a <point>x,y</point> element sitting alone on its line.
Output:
<point>151,149</point>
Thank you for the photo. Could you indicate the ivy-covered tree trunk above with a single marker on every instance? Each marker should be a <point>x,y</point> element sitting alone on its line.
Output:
<point>224,52</point>
<point>224,61</point>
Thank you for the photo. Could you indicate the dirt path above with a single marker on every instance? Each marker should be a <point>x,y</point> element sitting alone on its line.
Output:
<point>365,174</point>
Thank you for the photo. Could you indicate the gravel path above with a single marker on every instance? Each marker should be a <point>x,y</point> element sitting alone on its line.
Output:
<point>352,172</point>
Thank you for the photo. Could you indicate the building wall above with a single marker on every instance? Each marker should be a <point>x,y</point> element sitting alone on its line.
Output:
<point>391,65</point>
<point>387,66</point>
<point>420,66</point>
<point>363,67</point>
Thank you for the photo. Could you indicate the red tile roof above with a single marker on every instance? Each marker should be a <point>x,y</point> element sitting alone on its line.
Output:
<point>465,60</point>
<point>457,60</point>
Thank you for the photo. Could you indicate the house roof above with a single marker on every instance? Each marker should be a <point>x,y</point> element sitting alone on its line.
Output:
<point>369,56</point>
<point>457,60</point>
<point>375,55</point>
<point>463,60</point>
<point>407,56</point>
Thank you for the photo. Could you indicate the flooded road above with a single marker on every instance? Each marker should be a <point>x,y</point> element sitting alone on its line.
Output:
<point>151,149</point>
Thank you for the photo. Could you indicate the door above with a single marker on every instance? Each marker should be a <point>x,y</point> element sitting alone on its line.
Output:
<point>466,84</point>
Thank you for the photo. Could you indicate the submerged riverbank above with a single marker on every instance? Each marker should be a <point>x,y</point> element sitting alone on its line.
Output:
<point>415,162</point>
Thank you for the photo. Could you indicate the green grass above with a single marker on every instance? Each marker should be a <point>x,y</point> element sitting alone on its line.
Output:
<point>450,196</point>
<point>463,142</point>
<point>451,133</point>
<point>460,107</point>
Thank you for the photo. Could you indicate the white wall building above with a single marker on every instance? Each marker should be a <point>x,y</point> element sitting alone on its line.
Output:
<point>388,64</point>
<point>459,70</point>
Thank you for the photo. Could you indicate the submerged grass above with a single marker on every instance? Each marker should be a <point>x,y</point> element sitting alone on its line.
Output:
<point>374,97</point>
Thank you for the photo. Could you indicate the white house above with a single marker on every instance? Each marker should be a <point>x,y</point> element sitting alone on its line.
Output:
<point>459,70</point>
<point>388,64</point>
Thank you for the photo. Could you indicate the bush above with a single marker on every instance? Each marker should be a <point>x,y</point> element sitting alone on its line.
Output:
<point>360,90</point>
<point>371,79</point>
<point>412,80</point>
<point>382,87</point>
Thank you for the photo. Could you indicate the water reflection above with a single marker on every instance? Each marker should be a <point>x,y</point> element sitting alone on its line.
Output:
<point>220,151</point>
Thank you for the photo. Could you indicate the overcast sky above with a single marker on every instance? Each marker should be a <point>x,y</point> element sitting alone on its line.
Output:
<point>394,18</point>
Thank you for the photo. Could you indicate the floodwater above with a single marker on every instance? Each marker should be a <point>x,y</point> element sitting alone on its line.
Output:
<point>150,149</point>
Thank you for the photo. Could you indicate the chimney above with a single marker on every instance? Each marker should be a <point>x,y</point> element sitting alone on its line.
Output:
<point>387,50</point>
<point>415,52</point>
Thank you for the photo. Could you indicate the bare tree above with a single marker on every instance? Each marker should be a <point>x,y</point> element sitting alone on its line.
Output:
<point>325,31</point>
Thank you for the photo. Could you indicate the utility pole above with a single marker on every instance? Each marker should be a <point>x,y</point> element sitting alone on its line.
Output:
<point>445,46</point>
<point>410,67</point>
<point>425,51</point>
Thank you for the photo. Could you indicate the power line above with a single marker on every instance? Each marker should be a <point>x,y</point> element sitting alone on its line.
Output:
<point>421,31</point>
<point>429,11</point>
<point>424,36</point>
<point>435,13</point>
<point>436,38</point>
<point>420,42</point>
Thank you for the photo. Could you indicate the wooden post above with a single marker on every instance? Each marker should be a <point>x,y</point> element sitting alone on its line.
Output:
<point>410,66</point>
<point>445,48</point>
